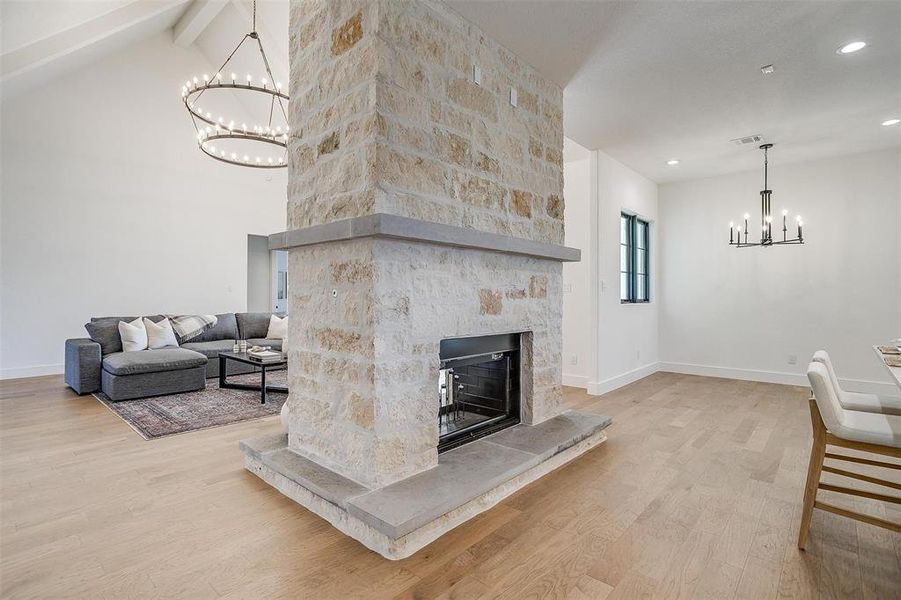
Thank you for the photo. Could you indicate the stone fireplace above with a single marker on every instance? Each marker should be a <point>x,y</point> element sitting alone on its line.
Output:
<point>425,221</point>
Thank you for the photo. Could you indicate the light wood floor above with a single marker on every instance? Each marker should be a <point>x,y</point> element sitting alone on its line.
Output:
<point>696,494</point>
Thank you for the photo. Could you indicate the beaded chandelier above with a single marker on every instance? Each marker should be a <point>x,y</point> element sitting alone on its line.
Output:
<point>231,140</point>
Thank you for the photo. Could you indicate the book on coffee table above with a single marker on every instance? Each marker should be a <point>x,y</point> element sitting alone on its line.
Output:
<point>265,355</point>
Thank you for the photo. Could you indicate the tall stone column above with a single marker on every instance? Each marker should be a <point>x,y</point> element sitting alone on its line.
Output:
<point>386,118</point>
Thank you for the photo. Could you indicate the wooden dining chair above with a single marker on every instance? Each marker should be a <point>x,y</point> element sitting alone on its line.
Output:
<point>855,430</point>
<point>888,405</point>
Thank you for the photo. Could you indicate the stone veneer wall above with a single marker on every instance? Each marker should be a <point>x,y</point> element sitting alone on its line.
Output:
<point>364,373</point>
<point>385,118</point>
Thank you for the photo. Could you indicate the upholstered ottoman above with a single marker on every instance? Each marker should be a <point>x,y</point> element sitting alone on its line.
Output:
<point>129,375</point>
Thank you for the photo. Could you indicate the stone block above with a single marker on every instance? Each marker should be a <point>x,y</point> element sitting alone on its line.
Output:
<point>521,203</point>
<point>490,302</point>
<point>348,34</point>
<point>538,286</point>
<point>555,207</point>
<point>468,95</point>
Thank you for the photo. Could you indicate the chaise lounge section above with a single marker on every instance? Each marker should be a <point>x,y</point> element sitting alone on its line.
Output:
<point>98,363</point>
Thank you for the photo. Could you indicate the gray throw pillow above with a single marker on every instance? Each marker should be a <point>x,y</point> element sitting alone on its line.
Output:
<point>254,325</point>
<point>226,328</point>
<point>105,331</point>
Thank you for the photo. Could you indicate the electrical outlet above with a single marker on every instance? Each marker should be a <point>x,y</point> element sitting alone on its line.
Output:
<point>638,354</point>
<point>476,75</point>
<point>573,360</point>
<point>792,359</point>
<point>603,285</point>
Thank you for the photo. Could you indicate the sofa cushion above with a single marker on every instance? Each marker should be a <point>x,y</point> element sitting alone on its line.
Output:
<point>105,331</point>
<point>274,344</point>
<point>226,328</point>
<point>152,361</point>
<point>210,349</point>
<point>254,325</point>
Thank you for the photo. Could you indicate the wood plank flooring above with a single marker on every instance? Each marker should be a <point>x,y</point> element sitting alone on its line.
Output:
<point>697,494</point>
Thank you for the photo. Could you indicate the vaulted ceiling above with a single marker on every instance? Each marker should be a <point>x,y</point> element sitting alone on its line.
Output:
<point>644,81</point>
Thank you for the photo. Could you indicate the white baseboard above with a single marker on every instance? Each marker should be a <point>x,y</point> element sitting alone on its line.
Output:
<point>36,371</point>
<point>579,381</point>
<point>596,388</point>
<point>851,385</point>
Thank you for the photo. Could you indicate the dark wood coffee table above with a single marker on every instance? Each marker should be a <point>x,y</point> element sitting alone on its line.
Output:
<point>242,357</point>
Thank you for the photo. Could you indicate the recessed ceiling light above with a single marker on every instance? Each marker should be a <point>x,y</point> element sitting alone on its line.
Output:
<point>672,162</point>
<point>891,122</point>
<point>851,47</point>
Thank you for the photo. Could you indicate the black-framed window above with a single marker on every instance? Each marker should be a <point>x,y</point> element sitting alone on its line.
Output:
<point>634,261</point>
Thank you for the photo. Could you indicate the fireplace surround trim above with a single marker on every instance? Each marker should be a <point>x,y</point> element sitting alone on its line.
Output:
<point>388,226</point>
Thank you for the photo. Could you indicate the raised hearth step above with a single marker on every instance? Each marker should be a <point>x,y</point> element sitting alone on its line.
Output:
<point>463,474</point>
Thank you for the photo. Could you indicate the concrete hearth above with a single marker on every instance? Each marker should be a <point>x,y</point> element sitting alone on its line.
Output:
<point>399,519</point>
<point>423,206</point>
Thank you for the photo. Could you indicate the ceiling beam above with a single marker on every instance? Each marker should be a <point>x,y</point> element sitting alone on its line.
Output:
<point>60,47</point>
<point>198,16</point>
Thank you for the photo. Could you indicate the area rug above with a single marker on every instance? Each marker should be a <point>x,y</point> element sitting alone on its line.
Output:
<point>162,416</point>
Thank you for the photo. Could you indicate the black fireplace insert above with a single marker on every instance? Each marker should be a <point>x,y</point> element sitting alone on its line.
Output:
<point>478,387</point>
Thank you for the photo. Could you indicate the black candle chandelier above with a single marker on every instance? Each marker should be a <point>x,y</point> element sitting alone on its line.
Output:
<point>213,130</point>
<point>766,218</point>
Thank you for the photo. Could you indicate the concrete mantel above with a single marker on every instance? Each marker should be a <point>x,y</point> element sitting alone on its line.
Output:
<point>382,225</point>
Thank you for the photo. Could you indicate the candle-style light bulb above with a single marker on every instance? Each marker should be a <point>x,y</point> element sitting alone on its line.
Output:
<point>769,219</point>
<point>249,79</point>
<point>747,216</point>
<point>798,218</point>
<point>234,77</point>
<point>784,212</point>
<point>731,224</point>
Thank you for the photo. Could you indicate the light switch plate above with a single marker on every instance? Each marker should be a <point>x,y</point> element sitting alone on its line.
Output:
<point>476,75</point>
<point>513,96</point>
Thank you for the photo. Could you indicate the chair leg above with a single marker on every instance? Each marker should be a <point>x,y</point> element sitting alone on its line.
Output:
<point>814,469</point>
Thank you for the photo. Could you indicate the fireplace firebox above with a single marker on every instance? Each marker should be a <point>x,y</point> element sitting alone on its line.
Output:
<point>478,387</point>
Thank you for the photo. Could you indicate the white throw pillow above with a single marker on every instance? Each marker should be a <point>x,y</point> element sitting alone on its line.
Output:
<point>159,335</point>
<point>278,328</point>
<point>134,335</point>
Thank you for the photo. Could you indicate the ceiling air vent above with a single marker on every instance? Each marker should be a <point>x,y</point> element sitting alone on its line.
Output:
<point>748,139</point>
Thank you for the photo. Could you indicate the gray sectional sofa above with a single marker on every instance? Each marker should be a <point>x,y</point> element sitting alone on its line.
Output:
<point>97,363</point>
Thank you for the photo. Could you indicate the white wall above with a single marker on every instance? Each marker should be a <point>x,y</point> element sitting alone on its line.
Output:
<point>108,208</point>
<point>612,344</point>
<point>627,333</point>
<point>742,312</point>
<point>577,354</point>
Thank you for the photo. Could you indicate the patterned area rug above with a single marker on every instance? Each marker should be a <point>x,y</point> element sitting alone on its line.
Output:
<point>163,416</point>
